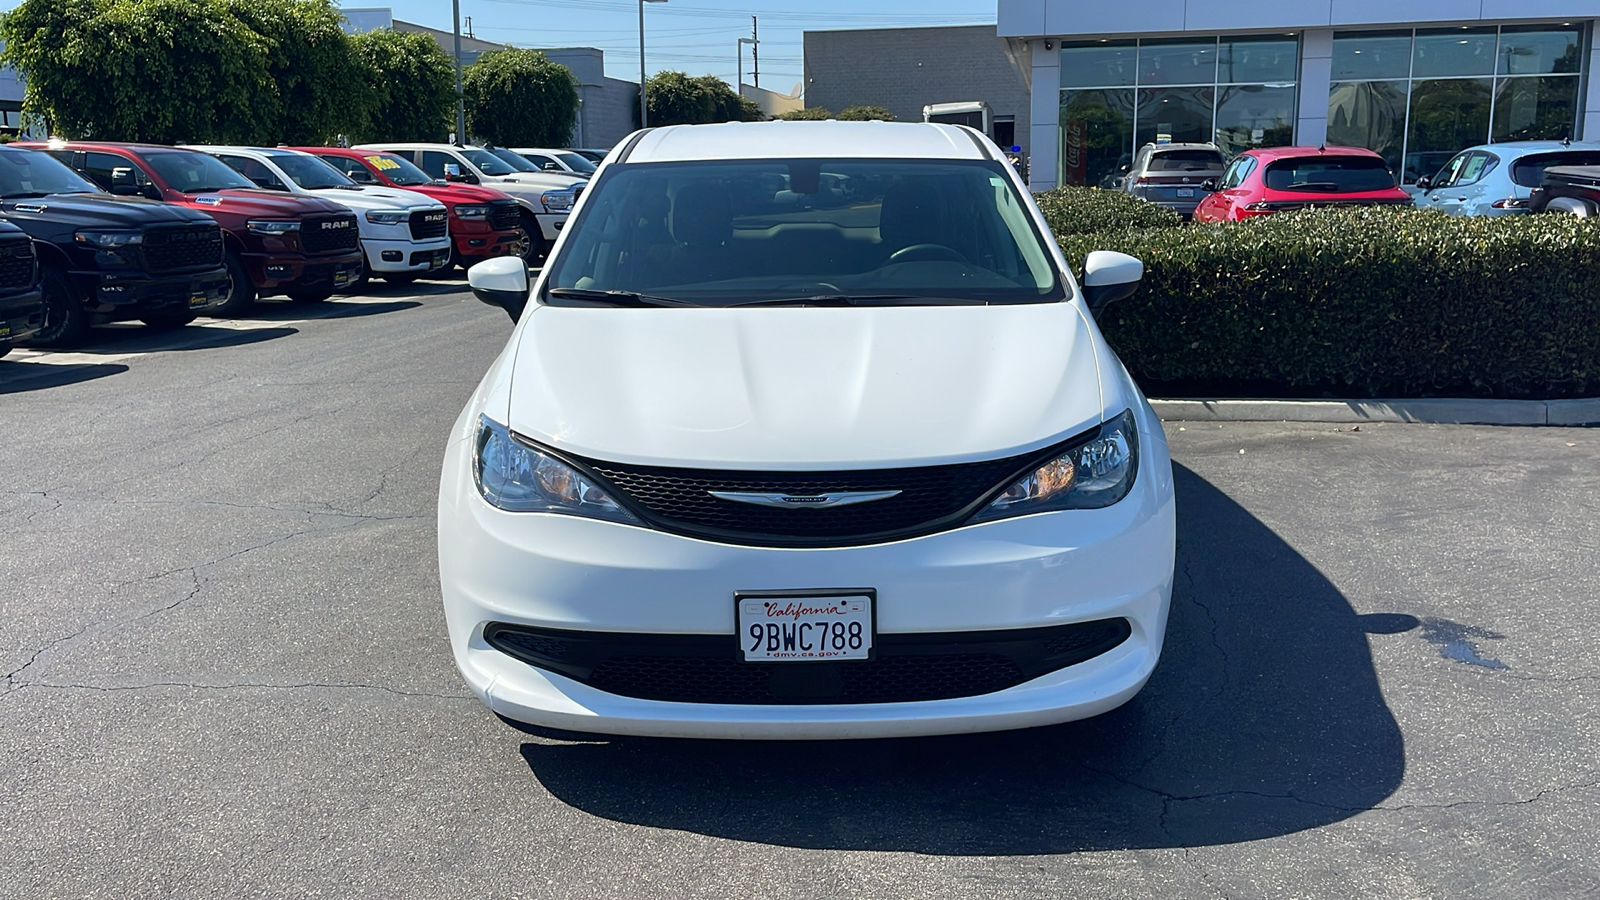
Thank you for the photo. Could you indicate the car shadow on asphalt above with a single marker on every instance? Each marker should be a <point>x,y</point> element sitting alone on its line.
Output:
<point>17,377</point>
<point>334,308</point>
<point>1264,718</point>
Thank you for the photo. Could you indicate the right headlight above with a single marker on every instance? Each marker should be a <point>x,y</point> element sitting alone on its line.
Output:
<point>557,201</point>
<point>272,226</point>
<point>1094,474</point>
<point>517,478</point>
<point>472,211</point>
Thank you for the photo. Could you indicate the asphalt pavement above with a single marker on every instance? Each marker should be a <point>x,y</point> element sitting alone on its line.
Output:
<point>227,673</point>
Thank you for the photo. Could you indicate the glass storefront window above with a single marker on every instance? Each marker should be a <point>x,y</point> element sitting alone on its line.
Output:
<point>1098,64</point>
<point>1096,135</point>
<point>1179,115</point>
<point>1370,114</point>
<point>1446,116</point>
<point>1539,51</point>
<point>1254,115</point>
<point>1447,52</point>
<point>1182,62</point>
<point>1535,109</point>
<point>1365,56</point>
<point>1246,61</point>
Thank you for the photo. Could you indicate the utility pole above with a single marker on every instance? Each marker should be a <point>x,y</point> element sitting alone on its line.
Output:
<point>643,116</point>
<point>755,57</point>
<point>461,101</point>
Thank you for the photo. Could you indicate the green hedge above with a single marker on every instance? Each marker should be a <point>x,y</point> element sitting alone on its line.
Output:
<point>1078,210</point>
<point>1360,302</point>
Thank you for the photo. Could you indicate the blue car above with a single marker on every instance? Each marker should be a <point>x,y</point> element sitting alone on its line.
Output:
<point>1497,179</point>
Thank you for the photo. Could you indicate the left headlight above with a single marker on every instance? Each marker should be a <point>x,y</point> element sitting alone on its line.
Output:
<point>388,216</point>
<point>1094,474</point>
<point>109,240</point>
<point>557,201</point>
<point>517,478</point>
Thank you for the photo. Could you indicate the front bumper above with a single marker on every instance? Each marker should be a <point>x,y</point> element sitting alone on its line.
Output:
<point>128,294</point>
<point>21,315</point>
<point>406,256</point>
<point>1037,571</point>
<point>277,273</point>
<point>550,224</point>
<point>475,247</point>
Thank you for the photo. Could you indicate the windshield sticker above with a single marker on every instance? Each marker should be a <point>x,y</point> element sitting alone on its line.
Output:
<point>381,163</point>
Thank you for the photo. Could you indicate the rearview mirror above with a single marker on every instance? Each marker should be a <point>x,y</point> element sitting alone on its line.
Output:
<point>502,282</point>
<point>1108,277</point>
<point>123,182</point>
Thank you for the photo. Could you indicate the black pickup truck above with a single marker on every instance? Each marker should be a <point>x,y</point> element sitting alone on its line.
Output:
<point>1574,190</point>
<point>104,258</point>
<point>21,306</point>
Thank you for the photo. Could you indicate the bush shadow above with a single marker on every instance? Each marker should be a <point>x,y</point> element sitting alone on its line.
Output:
<point>1264,718</point>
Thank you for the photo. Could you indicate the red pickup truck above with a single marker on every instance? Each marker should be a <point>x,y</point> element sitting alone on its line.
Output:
<point>304,247</point>
<point>484,222</point>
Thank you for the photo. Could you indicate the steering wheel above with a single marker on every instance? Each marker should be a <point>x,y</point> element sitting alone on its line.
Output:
<point>928,252</point>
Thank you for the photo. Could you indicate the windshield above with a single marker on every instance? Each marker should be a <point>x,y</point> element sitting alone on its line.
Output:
<point>1186,161</point>
<point>1330,175</point>
<point>27,173</point>
<point>727,232</point>
<point>193,172</point>
<point>576,162</point>
<point>513,160</point>
<point>309,172</point>
<point>398,169</point>
<point>1529,170</point>
<point>487,162</point>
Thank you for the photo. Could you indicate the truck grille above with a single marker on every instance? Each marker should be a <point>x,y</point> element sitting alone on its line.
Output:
<point>329,234</point>
<point>183,247</point>
<point>693,668</point>
<point>428,223</point>
<point>930,498</point>
<point>18,266</point>
<point>504,215</point>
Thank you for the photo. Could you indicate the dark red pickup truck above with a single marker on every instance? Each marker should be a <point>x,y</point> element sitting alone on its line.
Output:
<point>1574,190</point>
<point>305,247</point>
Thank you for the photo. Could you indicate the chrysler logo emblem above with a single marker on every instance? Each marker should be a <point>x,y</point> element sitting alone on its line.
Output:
<point>804,501</point>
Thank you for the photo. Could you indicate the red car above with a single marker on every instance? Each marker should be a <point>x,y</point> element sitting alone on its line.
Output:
<point>484,222</point>
<point>305,247</point>
<point>1262,182</point>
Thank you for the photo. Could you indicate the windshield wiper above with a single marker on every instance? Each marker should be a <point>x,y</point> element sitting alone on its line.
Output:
<point>1313,185</point>
<point>616,298</point>
<point>860,300</point>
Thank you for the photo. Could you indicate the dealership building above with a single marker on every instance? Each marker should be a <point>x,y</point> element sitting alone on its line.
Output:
<point>1414,80</point>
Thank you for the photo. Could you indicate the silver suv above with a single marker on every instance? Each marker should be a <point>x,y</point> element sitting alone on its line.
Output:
<point>1171,174</point>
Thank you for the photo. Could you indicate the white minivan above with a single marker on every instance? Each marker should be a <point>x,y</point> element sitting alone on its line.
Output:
<point>805,431</point>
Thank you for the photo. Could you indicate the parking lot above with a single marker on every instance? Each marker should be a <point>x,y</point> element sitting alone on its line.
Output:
<point>228,674</point>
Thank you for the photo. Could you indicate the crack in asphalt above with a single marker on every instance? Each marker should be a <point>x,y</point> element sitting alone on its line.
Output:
<point>12,676</point>
<point>189,685</point>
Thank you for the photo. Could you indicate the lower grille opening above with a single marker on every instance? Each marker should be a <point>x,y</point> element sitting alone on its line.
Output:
<point>906,667</point>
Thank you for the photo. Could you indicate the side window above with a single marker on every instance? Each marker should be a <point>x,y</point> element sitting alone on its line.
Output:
<point>1478,164</point>
<point>72,159</point>
<point>541,161</point>
<point>99,166</point>
<point>255,171</point>
<point>1452,170</point>
<point>357,172</point>
<point>433,162</point>
<point>1237,170</point>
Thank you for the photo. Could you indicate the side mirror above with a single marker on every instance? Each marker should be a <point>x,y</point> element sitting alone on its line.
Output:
<point>1210,185</point>
<point>551,167</point>
<point>1424,183</point>
<point>1109,277</point>
<point>502,282</point>
<point>452,172</point>
<point>123,182</point>
<point>360,175</point>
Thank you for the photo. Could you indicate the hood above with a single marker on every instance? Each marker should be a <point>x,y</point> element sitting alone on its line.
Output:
<point>804,388</point>
<point>543,181</point>
<point>275,204</point>
<point>452,194</point>
<point>377,198</point>
<point>101,211</point>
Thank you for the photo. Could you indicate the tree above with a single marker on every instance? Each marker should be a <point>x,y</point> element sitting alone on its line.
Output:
<point>520,98</point>
<point>809,114</point>
<point>865,114</point>
<point>674,98</point>
<point>140,70</point>
<point>412,83</point>
<point>314,87</point>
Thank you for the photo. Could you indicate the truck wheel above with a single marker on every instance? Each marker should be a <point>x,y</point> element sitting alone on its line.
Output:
<point>166,319</point>
<point>537,248</point>
<point>241,291</point>
<point>66,322</point>
<point>311,296</point>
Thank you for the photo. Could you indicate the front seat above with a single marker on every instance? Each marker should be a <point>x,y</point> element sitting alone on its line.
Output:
<point>702,225</point>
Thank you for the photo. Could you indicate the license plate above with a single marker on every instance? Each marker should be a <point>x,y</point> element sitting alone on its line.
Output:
<point>805,626</point>
<point>1185,192</point>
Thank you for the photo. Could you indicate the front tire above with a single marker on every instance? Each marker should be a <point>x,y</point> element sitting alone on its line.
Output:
<point>241,290</point>
<point>167,319</point>
<point>537,247</point>
<point>66,321</point>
